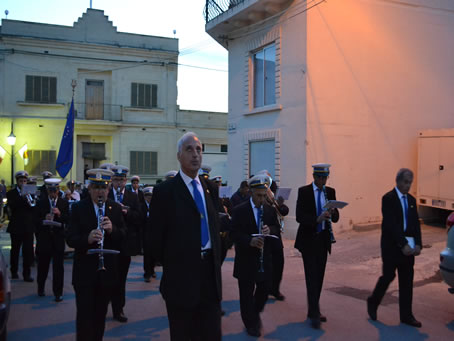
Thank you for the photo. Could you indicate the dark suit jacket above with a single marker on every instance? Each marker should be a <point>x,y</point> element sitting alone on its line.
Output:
<point>23,216</point>
<point>133,220</point>
<point>176,240</point>
<point>82,220</point>
<point>306,216</point>
<point>244,225</point>
<point>393,234</point>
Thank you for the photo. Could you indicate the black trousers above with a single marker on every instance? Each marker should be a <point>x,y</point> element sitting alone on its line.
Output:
<point>119,297</point>
<point>253,297</point>
<point>404,266</point>
<point>24,240</point>
<point>148,261</point>
<point>51,246</point>
<point>91,304</point>
<point>202,322</point>
<point>315,255</point>
<point>277,259</point>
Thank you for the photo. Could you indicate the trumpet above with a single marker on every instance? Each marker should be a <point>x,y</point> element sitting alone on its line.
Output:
<point>330,228</point>
<point>29,197</point>
<point>100,250</point>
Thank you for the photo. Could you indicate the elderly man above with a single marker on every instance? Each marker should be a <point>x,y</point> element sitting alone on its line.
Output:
<point>185,239</point>
<point>253,267</point>
<point>400,243</point>
<point>313,238</point>
<point>93,220</point>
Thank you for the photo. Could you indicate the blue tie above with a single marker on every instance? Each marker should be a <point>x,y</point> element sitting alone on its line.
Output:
<point>259,216</point>
<point>203,220</point>
<point>319,208</point>
<point>404,198</point>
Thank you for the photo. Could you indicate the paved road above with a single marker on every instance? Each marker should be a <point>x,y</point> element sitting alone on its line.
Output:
<point>352,271</point>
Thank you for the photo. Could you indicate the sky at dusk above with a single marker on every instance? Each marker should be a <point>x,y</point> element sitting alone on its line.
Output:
<point>202,77</point>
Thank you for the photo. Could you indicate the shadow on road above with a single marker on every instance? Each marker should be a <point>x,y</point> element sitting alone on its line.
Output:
<point>36,302</point>
<point>43,333</point>
<point>141,330</point>
<point>395,332</point>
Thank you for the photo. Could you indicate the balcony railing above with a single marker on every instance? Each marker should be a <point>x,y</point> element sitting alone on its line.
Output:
<point>214,8</point>
<point>105,112</point>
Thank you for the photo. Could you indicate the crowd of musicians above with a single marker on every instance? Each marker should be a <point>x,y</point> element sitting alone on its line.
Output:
<point>184,226</point>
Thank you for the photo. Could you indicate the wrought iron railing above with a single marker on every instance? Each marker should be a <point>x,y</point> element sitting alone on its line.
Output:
<point>214,8</point>
<point>91,111</point>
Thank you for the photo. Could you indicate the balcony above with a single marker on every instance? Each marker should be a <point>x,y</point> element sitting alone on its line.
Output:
<point>104,112</point>
<point>224,16</point>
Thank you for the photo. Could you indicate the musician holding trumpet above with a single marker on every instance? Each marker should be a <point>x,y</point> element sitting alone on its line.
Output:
<point>314,236</point>
<point>253,223</point>
<point>21,227</point>
<point>95,223</point>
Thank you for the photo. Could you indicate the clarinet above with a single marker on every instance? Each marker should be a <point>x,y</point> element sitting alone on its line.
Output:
<point>101,242</point>
<point>261,269</point>
<point>330,228</point>
<point>53,204</point>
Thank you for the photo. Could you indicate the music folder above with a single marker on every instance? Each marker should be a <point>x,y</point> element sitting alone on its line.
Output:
<point>335,204</point>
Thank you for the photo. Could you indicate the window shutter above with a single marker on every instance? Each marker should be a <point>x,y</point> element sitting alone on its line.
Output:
<point>53,90</point>
<point>36,89</point>
<point>154,163</point>
<point>134,95</point>
<point>28,88</point>
<point>141,95</point>
<point>154,95</point>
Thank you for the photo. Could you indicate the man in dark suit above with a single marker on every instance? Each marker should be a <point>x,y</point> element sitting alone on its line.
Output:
<point>313,238</point>
<point>21,227</point>
<point>400,243</point>
<point>130,207</point>
<point>50,235</point>
<point>241,195</point>
<point>185,239</point>
<point>148,261</point>
<point>93,286</point>
<point>253,267</point>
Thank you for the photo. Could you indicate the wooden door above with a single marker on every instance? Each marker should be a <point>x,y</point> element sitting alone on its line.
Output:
<point>94,100</point>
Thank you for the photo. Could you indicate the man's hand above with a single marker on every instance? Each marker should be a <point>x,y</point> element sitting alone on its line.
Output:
<point>407,250</point>
<point>266,229</point>
<point>417,250</point>
<point>257,242</point>
<point>106,224</point>
<point>94,236</point>
<point>56,211</point>
<point>326,215</point>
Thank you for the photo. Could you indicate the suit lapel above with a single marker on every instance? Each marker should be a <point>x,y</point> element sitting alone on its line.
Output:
<point>183,191</point>
<point>399,211</point>
<point>311,198</point>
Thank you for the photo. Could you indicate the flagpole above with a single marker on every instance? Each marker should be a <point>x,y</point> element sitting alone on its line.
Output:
<point>73,85</point>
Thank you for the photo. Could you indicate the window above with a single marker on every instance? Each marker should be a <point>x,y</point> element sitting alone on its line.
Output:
<point>262,156</point>
<point>94,151</point>
<point>264,62</point>
<point>144,95</point>
<point>144,163</point>
<point>40,89</point>
<point>40,161</point>
<point>224,148</point>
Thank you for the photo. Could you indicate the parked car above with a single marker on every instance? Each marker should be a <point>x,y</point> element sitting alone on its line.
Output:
<point>5,296</point>
<point>447,255</point>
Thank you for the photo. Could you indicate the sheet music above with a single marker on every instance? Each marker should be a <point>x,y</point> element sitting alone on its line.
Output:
<point>283,192</point>
<point>335,204</point>
<point>225,191</point>
<point>265,235</point>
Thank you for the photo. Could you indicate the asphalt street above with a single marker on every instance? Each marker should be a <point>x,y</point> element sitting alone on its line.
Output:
<point>352,271</point>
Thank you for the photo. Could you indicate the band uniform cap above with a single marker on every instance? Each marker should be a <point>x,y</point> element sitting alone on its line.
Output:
<point>217,178</point>
<point>46,174</point>
<point>120,170</point>
<point>148,190</point>
<point>99,176</point>
<point>52,182</point>
<point>171,174</point>
<point>107,165</point>
<point>21,174</point>
<point>205,170</point>
<point>321,169</point>
<point>259,181</point>
<point>135,178</point>
<point>32,180</point>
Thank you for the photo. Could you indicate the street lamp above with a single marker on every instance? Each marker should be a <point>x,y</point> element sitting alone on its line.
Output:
<point>11,139</point>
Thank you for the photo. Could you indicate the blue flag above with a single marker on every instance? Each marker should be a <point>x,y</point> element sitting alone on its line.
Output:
<point>65,154</point>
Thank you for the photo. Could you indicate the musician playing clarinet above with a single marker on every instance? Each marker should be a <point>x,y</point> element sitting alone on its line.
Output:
<point>252,220</point>
<point>314,236</point>
<point>50,234</point>
<point>94,286</point>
